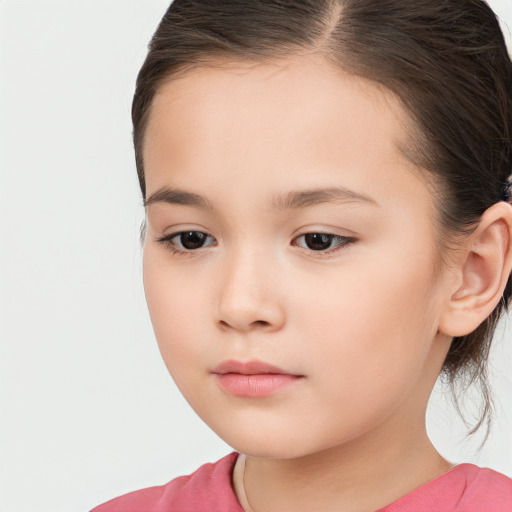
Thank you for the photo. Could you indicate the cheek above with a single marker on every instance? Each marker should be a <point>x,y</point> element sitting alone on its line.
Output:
<point>367,343</point>
<point>173,303</point>
<point>380,320</point>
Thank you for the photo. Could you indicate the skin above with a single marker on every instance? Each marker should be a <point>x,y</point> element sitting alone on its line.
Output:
<point>360,321</point>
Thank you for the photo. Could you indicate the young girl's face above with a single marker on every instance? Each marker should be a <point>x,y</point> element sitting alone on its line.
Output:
<point>290,264</point>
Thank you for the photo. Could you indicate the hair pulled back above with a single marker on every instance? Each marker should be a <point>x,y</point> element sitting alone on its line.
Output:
<point>445,59</point>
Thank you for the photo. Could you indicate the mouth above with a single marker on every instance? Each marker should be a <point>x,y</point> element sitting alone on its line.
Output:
<point>253,379</point>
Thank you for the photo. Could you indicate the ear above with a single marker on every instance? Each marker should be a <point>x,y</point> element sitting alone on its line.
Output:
<point>483,268</point>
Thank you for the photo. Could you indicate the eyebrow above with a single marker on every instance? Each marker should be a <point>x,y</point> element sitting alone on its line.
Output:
<point>177,196</point>
<point>304,198</point>
<point>290,201</point>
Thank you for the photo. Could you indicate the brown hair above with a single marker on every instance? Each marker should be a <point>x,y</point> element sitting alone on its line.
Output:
<point>445,59</point>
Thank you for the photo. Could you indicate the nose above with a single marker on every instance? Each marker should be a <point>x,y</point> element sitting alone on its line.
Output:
<point>249,298</point>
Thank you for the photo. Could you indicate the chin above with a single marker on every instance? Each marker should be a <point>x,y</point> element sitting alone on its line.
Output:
<point>264,444</point>
<point>268,450</point>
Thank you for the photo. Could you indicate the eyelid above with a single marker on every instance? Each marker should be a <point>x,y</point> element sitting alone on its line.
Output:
<point>167,241</point>
<point>344,241</point>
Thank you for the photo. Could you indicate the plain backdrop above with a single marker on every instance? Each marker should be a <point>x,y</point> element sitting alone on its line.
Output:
<point>88,411</point>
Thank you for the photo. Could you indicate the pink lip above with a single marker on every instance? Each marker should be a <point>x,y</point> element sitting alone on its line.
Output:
<point>253,379</point>
<point>249,368</point>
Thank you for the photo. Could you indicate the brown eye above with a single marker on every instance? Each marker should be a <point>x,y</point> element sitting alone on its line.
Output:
<point>191,240</point>
<point>318,241</point>
<point>186,242</point>
<point>323,242</point>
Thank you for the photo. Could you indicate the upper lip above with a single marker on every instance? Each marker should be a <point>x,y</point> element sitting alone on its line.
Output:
<point>248,368</point>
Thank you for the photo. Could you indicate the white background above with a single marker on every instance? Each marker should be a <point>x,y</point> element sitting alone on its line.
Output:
<point>87,408</point>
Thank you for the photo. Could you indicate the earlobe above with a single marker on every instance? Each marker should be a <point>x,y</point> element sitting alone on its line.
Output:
<point>484,268</point>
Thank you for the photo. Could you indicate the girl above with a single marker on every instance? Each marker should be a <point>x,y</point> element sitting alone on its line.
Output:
<point>327,231</point>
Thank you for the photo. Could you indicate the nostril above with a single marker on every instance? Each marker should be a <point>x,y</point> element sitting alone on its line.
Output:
<point>260,323</point>
<point>255,324</point>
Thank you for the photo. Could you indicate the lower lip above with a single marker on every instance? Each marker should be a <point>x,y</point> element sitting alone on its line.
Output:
<point>255,385</point>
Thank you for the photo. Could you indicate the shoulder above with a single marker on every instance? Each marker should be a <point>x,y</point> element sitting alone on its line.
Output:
<point>208,488</point>
<point>486,490</point>
<point>465,488</point>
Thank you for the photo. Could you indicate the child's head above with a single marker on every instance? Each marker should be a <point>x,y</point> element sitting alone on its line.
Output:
<point>334,171</point>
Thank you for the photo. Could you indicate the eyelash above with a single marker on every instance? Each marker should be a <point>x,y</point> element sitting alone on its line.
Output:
<point>344,242</point>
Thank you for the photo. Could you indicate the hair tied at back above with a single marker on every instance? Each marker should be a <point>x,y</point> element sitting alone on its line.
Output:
<point>506,190</point>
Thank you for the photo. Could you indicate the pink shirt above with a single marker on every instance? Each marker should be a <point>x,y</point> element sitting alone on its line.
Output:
<point>465,488</point>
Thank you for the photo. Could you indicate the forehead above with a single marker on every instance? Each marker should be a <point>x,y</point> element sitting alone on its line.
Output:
<point>279,121</point>
<point>304,97</point>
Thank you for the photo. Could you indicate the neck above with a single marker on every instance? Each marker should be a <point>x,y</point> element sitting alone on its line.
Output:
<point>356,476</point>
